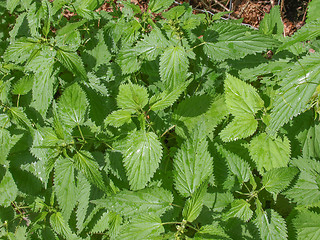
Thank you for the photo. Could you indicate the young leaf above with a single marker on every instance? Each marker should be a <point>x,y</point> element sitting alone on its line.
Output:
<point>241,98</point>
<point>241,127</point>
<point>174,65</point>
<point>271,225</point>
<point>132,97</point>
<point>307,225</point>
<point>240,209</point>
<point>145,226</point>
<point>102,224</point>
<point>269,152</point>
<point>12,4</point>
<point>128,203</point>
<point>118,118</point>
<point>61,226</point>
<point>64,186</point>
<point>225,40</point>
<point>73,106</point>
<point>142,158</point>
<point>296,91</point>
<point>159,5</point>
<point>86,164</point>
<point>167,97</point>
<point>236,164</point>
<point>306,190</point>
<point>23,86</point>
<point>9,190</point>
<point>192,164</point>
<point>194,204</point>
<point>276,180</point>
<point>5,145</point>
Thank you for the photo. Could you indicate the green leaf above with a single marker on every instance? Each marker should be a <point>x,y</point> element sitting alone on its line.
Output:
<point>295,92</point>
<point>193,205</point>
<point>64,186</point>
<point>192,164</point>
<point>197,109</point>
<point>83,191</point>
<point>24,85</point>
<point>20,50</point>
<point>86,164</point>
<point>240,209</point>
<point>8,189</point>
<point>142,227</point>
<point>269,152</point>
<point>236,164</point>
<point>128,203</point>
<point>271,225</point>
<point>157,6</point>
<point>167,98</point>
<point>118,118</point>
<point>102,224</point>
<point>5,145</point>
<point>19,117</point>
<point>72,62</point>
<point>276,180</point>
<point>132,97</point>
<point>272,22</point>
<point>240,127</point>
<point>214,231</point>
<point>61,226</point>
<point>306,190</point>
<point>241,98</point>
<point>225,40</point>
<point>309,31</point>
<point>12,4</point>
<point>313,8</point>
<point>73,106</point>
<point>174,66</point>
<point>307,225</point>
<point>142,154</point>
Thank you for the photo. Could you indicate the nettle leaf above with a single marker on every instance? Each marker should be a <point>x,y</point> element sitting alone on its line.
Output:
<point>64,186</point>
<point>83,197</point>
<point>295,92</point>
<point>313,8</point>
<point>72,62</point>
<point>145,226</point>
<point>118,118</point>
<point>12,4</point>
<point>193,205</point>
<point>240,127</point>
<point>192,164</point>
<point>73,106</point>
<point>271,225</point>
<point>269,152</point>
<point>307,225</point>
<point>142,154</point>
<point>167,98</point>
<point>272,22</point>
<point>132,97</point>
<point>306,190</point>
<point>9,190</point>
<point>20,50</point>
<point>24,85</point>
<point>309,137</point>
<point>240,209</point>
<point>236,164</point>
<point>159,5</point>
<point>225,40</point>
<point>241,98</point>
<point>309,31</point>
<point>102,224</point>
<point>128,203</point>
<point>5,145</point>
<point>276,180</point>
<point>86,164</point>
<point>214,231</point>
<point>59,224</point>
<point>174,65</point>
<point>197,109</point>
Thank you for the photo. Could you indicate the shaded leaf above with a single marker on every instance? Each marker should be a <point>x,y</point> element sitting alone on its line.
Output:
<point>9,190</point>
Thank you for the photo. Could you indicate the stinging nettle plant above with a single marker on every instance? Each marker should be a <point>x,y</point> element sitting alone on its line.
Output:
<point>156,124</point>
